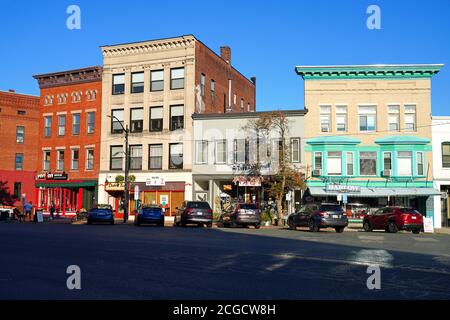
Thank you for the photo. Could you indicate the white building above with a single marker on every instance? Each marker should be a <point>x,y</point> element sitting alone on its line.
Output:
<point>441,170</point>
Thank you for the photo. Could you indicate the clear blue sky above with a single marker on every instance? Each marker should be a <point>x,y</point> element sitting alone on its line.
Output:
<point>268,39</point>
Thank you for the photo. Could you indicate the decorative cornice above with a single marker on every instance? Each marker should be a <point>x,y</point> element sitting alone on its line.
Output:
<point>245,115</point>
<point>333,140</point>
<point>70,77</point>
<point>401,140</point>
<point>414,71</point>
<point>148,46</point>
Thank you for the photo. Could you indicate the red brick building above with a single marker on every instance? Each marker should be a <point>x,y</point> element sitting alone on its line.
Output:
<point>19,118</point>
<point>68,150</point>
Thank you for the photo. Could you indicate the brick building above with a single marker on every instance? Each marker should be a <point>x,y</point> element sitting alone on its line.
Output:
<point>69,139</point>
<point>19,118</point>
<point>154,87</point>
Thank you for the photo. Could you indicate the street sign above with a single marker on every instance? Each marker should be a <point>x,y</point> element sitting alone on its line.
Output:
<point>136,192</point>
<point>344,199</point>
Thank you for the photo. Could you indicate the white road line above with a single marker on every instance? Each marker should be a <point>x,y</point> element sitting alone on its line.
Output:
<point>425,239</point>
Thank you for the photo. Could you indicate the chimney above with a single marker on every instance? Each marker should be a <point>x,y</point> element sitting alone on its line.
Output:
<point>225,53</point>
<point>12,90</point>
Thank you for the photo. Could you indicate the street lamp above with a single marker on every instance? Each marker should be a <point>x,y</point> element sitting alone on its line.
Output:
<point>127,161</point>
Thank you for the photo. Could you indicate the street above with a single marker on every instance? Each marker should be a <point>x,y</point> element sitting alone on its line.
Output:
<point>127,262</point>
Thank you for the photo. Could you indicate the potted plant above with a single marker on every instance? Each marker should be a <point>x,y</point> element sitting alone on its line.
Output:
<point>266,218</point>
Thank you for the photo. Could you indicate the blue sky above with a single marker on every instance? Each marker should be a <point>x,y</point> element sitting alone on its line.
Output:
<point>268,39</point>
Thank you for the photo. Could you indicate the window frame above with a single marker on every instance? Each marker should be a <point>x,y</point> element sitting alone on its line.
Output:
<point>154,157</point>
<point>132,122</point>
<point>445,164</point>
<point>63,127</point>
<point>179,167</point>
<point>420,166</point>
<point>90,125</point>
<point>204,152</point>
<point>20,156</point>
<point>111,147</point>
<point>44,161</point>
<point>59,160</point>
<point>140,83</point>
<point>22,140</point>
<point>131,158</point>
<point>48,129</point>
<point>376,164</point>
<point>113,120</point>
<point>297,141</point>
<point>347,163</point>
<point>172,127</point>
<point>87,167</point>
<point>161,120</point>
<point>334,157</point>
<point>172,87</point>
<point>368,115</point>
<point>72,159</point>
<point>76,124</point>
<point>216,150</point>
<point>156,81</point>
<point>411,172</point>
<point>113,89</point>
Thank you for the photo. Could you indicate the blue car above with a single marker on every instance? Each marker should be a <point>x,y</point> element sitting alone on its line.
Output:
<point>101,213</point>
<point>152,214</point>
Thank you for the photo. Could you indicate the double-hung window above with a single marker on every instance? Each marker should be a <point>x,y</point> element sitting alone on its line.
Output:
<point>90,125</point>
<point>19,161</point>
<point>60,160</point>
<point>117,121</point>
<point>155,156</point>
<point>48,126</point>
<point>240,151</point>
<point>118,84</point>
<point>116,158</point>
<point>157,80</point>
<point>75,159</point>
<point>137,82</point>
<point>201,152</point>
<point>334,163</point>
<point>61,125</point>
<point>367,118</point>
<point>341,118</point>
<point>20,134</point>
<point>176,156</point>
<point>318,161</point>
<point>404,163</point>
<point>420,163</point>
<point>394,117</point>
<point>325,118</point>
<point>136,157</point>
<point>295,150</point>
<point>46,161</point>
<point>176,117</point>
<point>410,118</point>
<point>76,124</point>
<point>350,164</point>
<point>89,159</point>
<point>387,161</point>
<point>137,119</point>
<point>156,119</point>
<point>177,78</point>
<point>445,154</point>
<point>221,151</point>
<point>202,84</point>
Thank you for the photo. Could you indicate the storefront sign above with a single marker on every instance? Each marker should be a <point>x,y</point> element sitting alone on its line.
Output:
<point>343,188</point>
<point>115,186</point>
<point>227,187</point>
<point>428,225</point>
<point>248,181</point>
<point>155,181</point>
<point>52,176</point>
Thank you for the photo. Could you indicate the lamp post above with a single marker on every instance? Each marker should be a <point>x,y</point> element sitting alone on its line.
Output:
<point>127,161</point>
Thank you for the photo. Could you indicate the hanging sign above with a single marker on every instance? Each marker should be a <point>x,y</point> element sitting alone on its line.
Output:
<point>155,181</point>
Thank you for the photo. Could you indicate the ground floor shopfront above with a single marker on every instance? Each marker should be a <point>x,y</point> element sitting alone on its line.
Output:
<point>67,196</point>
<point>442,203</point>
<point>371,195</point>
<point>20,186</point>
<point>168,190</point>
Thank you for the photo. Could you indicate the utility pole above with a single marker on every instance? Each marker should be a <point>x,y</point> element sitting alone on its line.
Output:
<point>127,166</point>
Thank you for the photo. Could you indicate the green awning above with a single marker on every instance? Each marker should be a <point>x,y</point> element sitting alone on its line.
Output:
<point>66,184</point>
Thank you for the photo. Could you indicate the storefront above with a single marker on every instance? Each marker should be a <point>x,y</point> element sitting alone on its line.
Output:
<point>67,196</point>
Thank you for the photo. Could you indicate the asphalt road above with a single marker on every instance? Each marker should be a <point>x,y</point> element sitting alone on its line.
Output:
<point>127,262</point>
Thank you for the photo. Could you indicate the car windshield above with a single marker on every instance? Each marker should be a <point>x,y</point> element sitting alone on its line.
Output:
<point>198,205</point>
<point>408,210</point>
<point>248,206</point>
<point>103,207</point>
<point>330,207</point>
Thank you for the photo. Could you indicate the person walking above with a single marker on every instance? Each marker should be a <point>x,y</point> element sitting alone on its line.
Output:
<point>52,210</point>
<point>28,208</point>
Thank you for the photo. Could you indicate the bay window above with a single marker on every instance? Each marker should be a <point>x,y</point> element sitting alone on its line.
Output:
<point>334,163</point>
<point>404,163</point>
<point>368,163</point>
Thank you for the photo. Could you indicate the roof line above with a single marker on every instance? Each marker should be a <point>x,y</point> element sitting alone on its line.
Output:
<point>373,65</point>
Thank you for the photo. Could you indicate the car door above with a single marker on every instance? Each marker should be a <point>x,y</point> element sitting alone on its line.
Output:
<point>296,216</point>
<point>375,219</point>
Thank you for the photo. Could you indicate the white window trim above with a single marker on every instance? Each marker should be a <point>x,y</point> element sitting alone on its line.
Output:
<point>299,150</point>
<point>216,150</point>
<point>423,164</point>
<point>314,160</point>
<point>346,163</point>
<point>197,143</point>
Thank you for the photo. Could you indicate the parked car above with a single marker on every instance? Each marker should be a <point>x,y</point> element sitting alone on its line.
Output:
<point>242,214</point>
<point>101,213</point>
<point>357,211</point>
<point>194,212</point>
<point>392,219</point>
<point>151,214</point>
<point>319,216</point>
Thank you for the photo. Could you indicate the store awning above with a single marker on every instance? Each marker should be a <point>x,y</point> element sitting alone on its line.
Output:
<point>378,192</point>
<point>80,184</point>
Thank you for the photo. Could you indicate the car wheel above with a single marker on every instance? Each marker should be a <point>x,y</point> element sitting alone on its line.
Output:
<point>416,231</point>
<point>313,227</point>
<point>291,225</point>
<point>339,230</point>
<point>392,227</point>
<point>367,227</point>
<point>257,226</point>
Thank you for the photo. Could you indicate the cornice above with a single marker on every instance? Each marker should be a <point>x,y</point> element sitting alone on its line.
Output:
<point>70,77</point>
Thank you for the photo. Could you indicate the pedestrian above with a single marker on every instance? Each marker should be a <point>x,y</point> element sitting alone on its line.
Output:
<point>28,210</point>
<point>52,210</point>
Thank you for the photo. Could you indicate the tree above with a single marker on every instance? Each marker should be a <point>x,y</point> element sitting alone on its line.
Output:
<point>285,176</point>
<point>5,197</point>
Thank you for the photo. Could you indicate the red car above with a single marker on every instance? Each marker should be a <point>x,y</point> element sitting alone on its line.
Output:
<point>393,219</point>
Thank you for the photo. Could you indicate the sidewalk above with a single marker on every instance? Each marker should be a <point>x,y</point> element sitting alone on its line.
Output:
<point>442,230</point>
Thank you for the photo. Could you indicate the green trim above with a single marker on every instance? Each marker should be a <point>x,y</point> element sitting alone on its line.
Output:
<point>384,72</point>
<point>401,140</point>
<point>67,184</point>
<point>336,140</point>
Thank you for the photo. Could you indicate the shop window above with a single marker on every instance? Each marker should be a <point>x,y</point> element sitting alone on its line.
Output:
<point>446,155</point>
<point>19,161</point>
<point>177,78</point>
<point>157,80</point>
<point>137,82</point>
<point>201,152</point>
<point>116,157</point>
<point>118,84</point>
<point>76,124</point>
<point>367,118</point>
<point>394,118</point>
<point>60,160</point>
<point>89,159</point>
<point>341,118</point>
<point>325,118</point>
<point>420,164</point>
<point>20,134</point>
<point>350,164</point>
<point>61,125</point>
<point>155,157</point>
<point>117,121</point>
<point>221,152</point>
<point>137,119</point>
<point>136,157</point>
<point>404,163</point>
<point>334,163</point>
<point>176,117</point>
<point>156,119</point>
<point>176,156</point>
<point>46,161</point>
<point>368,163</point>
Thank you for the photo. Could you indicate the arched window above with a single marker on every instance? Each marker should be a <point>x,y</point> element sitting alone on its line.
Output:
<point>445,154</point>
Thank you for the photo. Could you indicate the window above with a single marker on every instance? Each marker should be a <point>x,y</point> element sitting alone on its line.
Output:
<point>240,151</point>
<point>76,97</point>
<point>446,155</point>
<point>176,117</point>
<point>177,78</point>
<point>61,125</point>
<point>410,118</point>
<point>221,151</point>
<point>404,163</point>
<point>60,160</point>
<point>387,161</point>
<point>20,134</point>
<point>367,118</point>
<point>318,161</point>
<point>420,163</point>
<point>202,84</point>
<point>137,119</point>
<point>75,159</point>
<point>76,124</point>
<point>213,88</point>
<point>90,125</point>
<point>117,121</point>
<point>325,118</point>
<point>19,161</point>
<point>47,126</point>
<point>137,82</point>
<point>116,158</point>
<point>341,118</point>
<point>46,161</point>
<point>350,164</point>
<point>155,156</point>
<point>394,118</point>
<point>157,80</point>
<point>368,163</point>
<point>17,190</point>
<point>295,149</point>
<point>89,159</point>
<point>156,119</point>
<point>201,152</point>
<point>176,156</point>
<point>334,163</point>
<point>248,107</point>
<point>118,86</point>
<point>136,157</point>
<point>21,112</point>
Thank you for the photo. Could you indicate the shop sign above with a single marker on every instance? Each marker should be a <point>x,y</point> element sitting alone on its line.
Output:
<point>164,200</point>
<point>115,186</point>
<point>428,225</point>
<point>155,181</point>
<point>343,188</point>
<point>248,181</point>
<point>52,176</point>
<point>227,187</point>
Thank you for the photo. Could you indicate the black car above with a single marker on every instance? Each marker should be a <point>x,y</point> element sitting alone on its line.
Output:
<point>101,213</point>
<point>242,214</point>
<point>319,216</point>
<point>194,212</point>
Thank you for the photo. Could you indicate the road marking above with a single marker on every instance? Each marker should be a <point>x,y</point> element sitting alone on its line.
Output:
<point>374,257</point>
<point>373,238</point>
<point>425,239</point>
